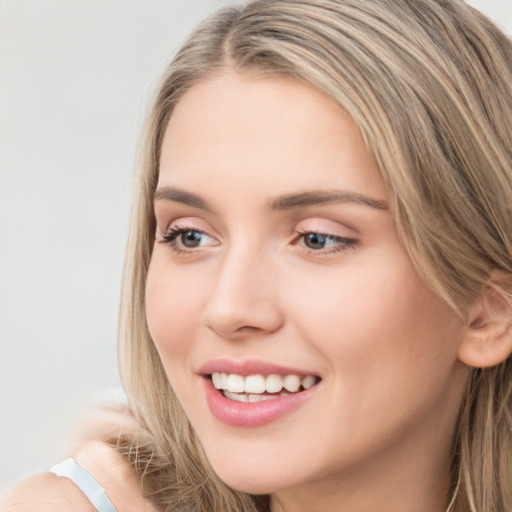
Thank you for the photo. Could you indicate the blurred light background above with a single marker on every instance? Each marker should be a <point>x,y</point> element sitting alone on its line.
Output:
<point>75,81</point>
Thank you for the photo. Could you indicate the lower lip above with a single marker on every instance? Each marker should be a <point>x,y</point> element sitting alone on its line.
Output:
<point>255,414</point>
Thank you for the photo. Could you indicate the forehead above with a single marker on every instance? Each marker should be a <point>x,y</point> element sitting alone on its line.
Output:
<point>248,129</point>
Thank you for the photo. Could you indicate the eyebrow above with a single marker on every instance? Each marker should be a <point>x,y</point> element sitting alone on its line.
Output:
<point>320,197</point>
<point>181,196</point>
<point>281,203</point>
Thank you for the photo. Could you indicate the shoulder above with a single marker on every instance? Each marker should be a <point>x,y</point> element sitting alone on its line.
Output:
<point>48,492</point>
<point>45,492</point>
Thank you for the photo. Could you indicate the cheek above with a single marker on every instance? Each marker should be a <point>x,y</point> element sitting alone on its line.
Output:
<point>173,310</point>
<point>381,329</point>
<point>390,348</point>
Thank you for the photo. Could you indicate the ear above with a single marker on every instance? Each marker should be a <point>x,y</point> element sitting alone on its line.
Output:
<point>487,339</point>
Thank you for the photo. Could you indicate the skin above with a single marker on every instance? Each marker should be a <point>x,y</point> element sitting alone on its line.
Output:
<point>47,492</point>
<point>377,432</point>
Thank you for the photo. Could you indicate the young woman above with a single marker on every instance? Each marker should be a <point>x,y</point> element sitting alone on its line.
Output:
<point>317,302</point>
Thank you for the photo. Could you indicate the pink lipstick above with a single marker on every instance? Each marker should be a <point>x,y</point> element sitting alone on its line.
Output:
<point>253,393</point>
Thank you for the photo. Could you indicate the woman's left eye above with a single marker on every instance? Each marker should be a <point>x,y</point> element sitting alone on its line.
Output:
<point>186,239</point>
<point>321,242</point>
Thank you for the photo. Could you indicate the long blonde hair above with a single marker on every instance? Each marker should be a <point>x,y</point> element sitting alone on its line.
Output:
<point>429,83</point>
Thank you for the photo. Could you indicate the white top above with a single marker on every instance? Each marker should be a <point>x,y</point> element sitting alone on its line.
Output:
<point>86,483</point>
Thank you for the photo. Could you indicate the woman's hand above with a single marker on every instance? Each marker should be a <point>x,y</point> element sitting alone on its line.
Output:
<point>115,475</point>
<point>48,492</point>
<point>88,447</point>
<point>103,424</point>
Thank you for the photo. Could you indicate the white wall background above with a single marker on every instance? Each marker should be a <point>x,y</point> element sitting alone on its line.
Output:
<point>75,80</point>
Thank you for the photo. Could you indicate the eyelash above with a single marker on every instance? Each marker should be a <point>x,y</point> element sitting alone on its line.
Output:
<point>345,244</point>
<point>170,237</point>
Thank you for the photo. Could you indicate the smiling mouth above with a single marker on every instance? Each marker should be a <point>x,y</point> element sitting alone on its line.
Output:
<point>255,388</point>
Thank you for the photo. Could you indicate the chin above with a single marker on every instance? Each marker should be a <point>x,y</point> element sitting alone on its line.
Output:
<point>255,480</point>
<point>249,480</point>
<point>257,485</point>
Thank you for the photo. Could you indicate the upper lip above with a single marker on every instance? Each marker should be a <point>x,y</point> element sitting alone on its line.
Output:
<point>249,367</point>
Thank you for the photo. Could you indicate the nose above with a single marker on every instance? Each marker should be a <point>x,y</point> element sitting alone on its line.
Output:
<point>243,301</point>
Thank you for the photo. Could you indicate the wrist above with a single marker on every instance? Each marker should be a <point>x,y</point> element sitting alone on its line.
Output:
<point>115,475</point>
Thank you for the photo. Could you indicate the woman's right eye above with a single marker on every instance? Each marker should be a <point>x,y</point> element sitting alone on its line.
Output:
<point>186,239</point>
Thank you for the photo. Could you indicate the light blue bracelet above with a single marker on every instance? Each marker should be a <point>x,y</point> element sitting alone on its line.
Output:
<point>86,483</point>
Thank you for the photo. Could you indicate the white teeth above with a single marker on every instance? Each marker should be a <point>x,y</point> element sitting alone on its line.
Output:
<point>255,384</point>
<point>258,384</point>
<point>259,398</point>
<point>237,397</point>
<point>235,383</point>
<point>217,380</point>
<point>274,383</point>
<point>308,381</point>
<point>242,397</point>
<point>291,383</point>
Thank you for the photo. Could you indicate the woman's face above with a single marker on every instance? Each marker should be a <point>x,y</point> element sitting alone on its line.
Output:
<point>276,256</point>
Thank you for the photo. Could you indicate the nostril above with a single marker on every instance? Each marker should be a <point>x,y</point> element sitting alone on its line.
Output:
<point>239,308</point>
<point>234,333</point>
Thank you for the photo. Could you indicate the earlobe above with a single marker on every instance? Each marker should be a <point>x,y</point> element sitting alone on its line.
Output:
<point>487,339</point>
